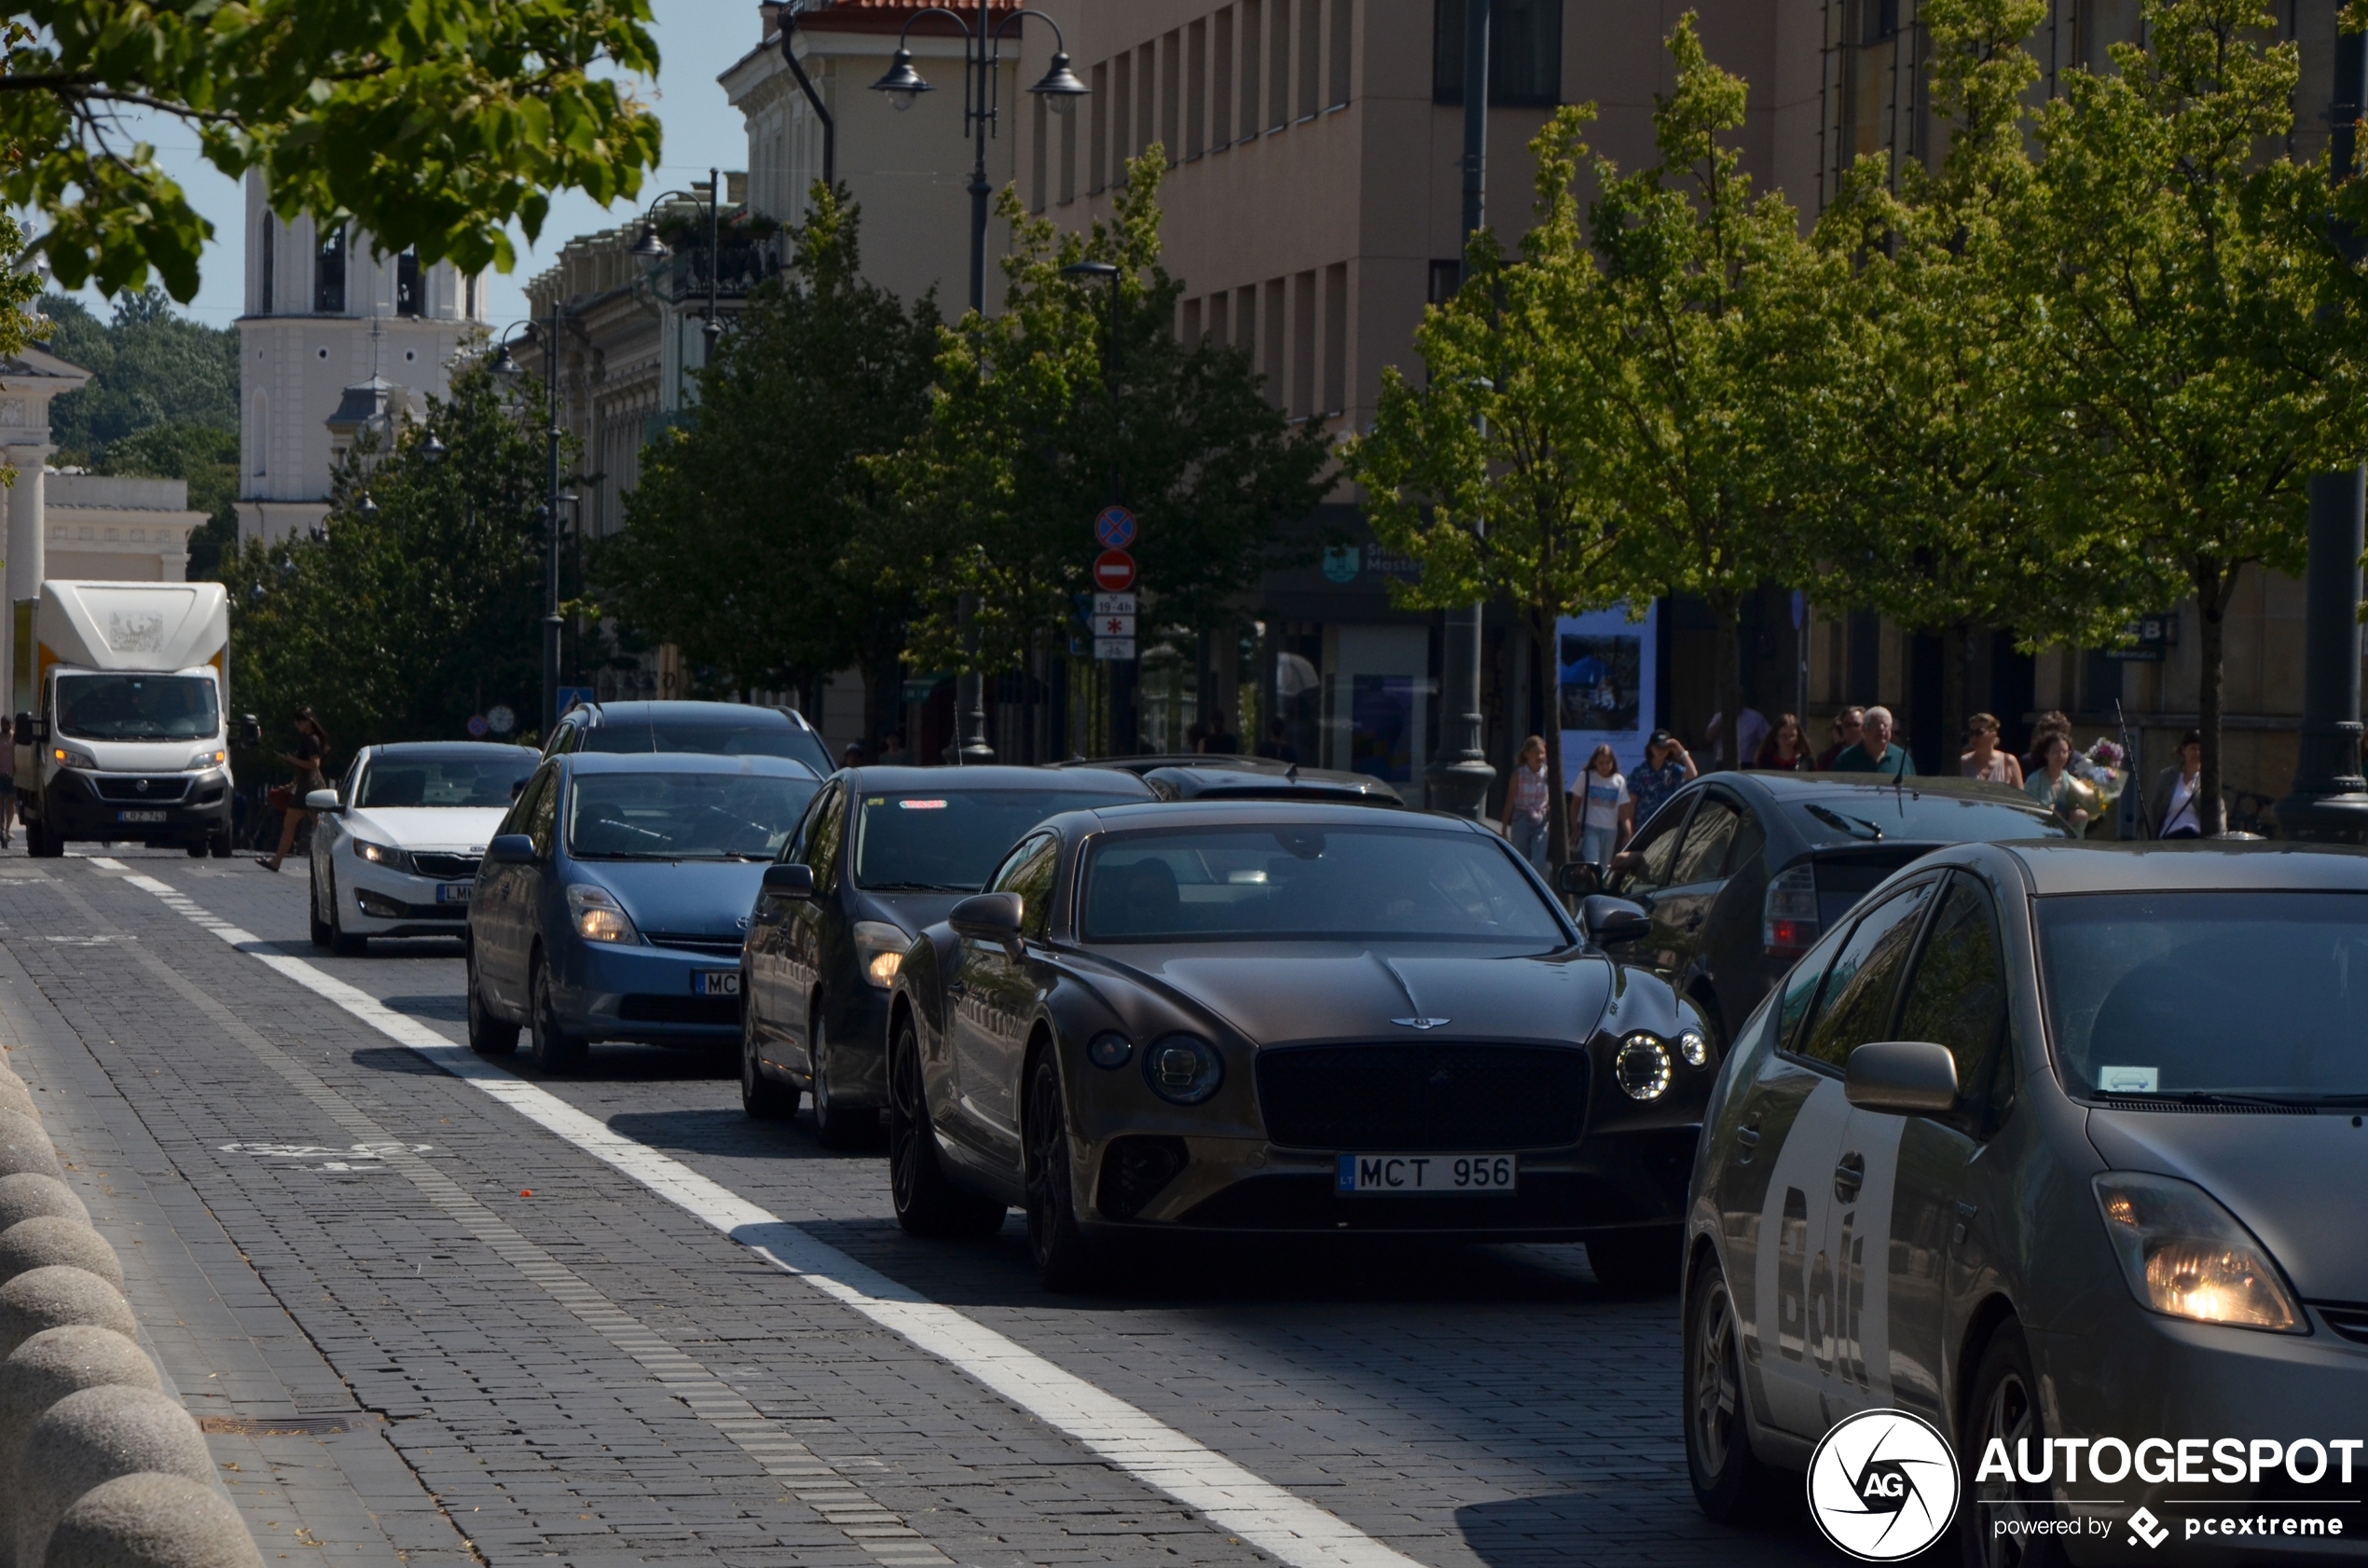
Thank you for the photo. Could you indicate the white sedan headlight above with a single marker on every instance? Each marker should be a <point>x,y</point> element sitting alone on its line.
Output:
<point>384,855</point>
<point>2185,1256</point>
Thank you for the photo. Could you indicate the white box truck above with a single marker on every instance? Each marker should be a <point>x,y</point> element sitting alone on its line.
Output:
<point>128,740</point>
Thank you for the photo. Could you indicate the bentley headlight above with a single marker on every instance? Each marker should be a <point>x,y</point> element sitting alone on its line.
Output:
<point>596,914</point>
<point>1642,1067</point>
<point>2185,1256</point>
<point>382,855</point>
<point>879,951</point>
<point>1109,1049</point>
<point>1694,1047</point>
<point>1183,1069</point>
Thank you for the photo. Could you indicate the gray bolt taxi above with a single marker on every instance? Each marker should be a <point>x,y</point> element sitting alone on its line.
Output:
<point>2059,1147</point>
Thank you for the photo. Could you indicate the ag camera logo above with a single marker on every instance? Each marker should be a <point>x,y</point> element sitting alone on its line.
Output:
<point>1883,1485</point>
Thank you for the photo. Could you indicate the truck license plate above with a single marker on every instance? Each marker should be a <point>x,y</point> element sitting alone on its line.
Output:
<point>140,815</point>
<point>716,982</point>
<point>1426,1173</point>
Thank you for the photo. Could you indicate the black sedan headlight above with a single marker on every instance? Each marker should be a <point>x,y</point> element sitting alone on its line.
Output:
<point>1183,1069</point>
<point>1642,1066</point>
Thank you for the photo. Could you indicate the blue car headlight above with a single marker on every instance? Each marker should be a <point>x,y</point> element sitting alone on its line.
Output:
<point>596,915</point>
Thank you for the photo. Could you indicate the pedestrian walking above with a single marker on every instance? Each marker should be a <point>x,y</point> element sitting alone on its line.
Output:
<point>1219,741</point>
<point>1982,759</point>
<point>1787,748</point>
<point>2054,722</point>
<point>892,751</point>
<point>1279,746</point>
<point>8,781</point>
<point>1527,800</point>
<point>1666,768</point>
<point>1849,724</point>
<point>1601,810</point>
<point>853,755</point>
<point>2055,785</point>
<point>1752,725</point>
<point>1874,753</point>
<point>311,751</point>
<point>2172,803</point>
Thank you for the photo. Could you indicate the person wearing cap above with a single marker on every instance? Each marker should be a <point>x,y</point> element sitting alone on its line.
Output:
<point>1665,768</point>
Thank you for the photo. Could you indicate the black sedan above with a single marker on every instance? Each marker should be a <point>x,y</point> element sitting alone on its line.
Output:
<point>881,852</point>
<point>1264,1018</point>
<point>1743,871</point>
<point>2056,1146</point>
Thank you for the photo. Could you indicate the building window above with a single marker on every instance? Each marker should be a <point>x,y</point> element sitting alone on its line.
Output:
<point>1220,130</point>
<point>1446,278</point>
<point>1197,89</point>
<point>1303,344</point>
<point>1271,323</point>
<point>1278,70</point>
<point>1097,153</point>
<point>266,251</point>
<point>1336,338</point>
<point>1172,98</point>
<point>259,434</point>
<point>1146,99</point>
<point>1041,131</point>
<point>1252,11</point>
<point>1524,53</point>
<point>328,276</point>
<point>1190,337</point>
<point>1341,57</point>
<point>410,290</point>
<point>1311,57</point>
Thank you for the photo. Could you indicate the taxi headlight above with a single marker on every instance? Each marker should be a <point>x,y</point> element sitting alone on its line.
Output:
<point>2185,1256</point>
<point>597,916</point>
<point>879,951</point>
<point>1642,1067</point>
<point>1694,1047</point>
<point>1183,1069</point>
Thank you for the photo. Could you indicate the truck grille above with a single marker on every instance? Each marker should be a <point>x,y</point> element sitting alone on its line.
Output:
<point>444,868</point>
<point>165,789</point>
<point>1437,1096</point>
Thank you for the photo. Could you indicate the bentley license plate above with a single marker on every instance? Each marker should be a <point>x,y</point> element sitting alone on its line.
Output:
<point>716,982</point>
<point>1429,1174</point>
<point>140,815</point>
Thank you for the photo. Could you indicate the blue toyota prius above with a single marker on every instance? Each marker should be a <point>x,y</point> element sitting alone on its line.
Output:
<point>612,904</point>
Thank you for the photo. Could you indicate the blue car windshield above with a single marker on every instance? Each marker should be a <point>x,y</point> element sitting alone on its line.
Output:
<point>1312,884</point>
<point>2162,996</point>
<point>683,816</point>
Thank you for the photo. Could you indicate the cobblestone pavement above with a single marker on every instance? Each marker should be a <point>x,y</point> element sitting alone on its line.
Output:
<point>421,1327</point>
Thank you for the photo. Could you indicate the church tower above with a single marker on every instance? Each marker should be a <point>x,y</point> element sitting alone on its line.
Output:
<point>326,318</point>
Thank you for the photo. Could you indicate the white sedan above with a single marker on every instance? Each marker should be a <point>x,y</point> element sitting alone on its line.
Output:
<point>396,843</point>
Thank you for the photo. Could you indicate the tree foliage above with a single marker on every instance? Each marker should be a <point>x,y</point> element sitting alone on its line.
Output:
<point>408,614</point>
<point>751,540</point>
<point>1080,393</point>
<point>431,123</point>
<point>149,365</point>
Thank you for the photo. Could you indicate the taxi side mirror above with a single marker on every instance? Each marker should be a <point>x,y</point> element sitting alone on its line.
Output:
<point>1607,920</point>
<point>1903,1077</point>
<point>789,881</point>
<point>1580,879</point>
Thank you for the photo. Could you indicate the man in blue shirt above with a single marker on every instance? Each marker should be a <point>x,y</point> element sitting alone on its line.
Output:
<point>1874,753</point>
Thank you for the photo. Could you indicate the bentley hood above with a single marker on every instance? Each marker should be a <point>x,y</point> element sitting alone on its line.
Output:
<point>1299,991</point>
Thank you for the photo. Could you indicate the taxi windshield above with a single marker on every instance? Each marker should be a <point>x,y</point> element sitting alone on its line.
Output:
<point>1312,884</point>
<point>950,841</point>
<point>2209,997</point>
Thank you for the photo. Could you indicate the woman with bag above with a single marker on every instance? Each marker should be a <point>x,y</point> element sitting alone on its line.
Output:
<point>311,751</point>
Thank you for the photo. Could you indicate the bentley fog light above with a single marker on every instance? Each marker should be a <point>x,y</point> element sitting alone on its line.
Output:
<point>1109,1049</point>
<point>1642,1067</point>
<point>1694,1047</point>
<point>1183,1069</point>
<point>2185,1256</point>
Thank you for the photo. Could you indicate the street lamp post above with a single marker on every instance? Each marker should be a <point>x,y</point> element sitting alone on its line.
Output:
<point>2329,801</point>
<point>505,367</point>
<point>981,58</point>
<point>1459,780</point>
<point>649,248</point>
<point>1121,708</point>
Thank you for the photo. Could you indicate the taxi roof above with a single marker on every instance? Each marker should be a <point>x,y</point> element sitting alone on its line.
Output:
<point>2056,866</point>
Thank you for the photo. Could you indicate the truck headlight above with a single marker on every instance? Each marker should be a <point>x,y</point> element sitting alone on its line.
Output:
<point>879,951</point>
<point>382,855</point>
<point>72,756</point>
<point>211,758</point>
<point>596,914</point>
<point>2185,1256</point>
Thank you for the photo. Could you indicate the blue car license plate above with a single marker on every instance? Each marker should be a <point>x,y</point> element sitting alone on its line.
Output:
<point>452,892</point>
<point>715,983</point>
<point>140,815</point>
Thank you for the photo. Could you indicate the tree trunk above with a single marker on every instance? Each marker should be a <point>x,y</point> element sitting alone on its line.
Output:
<point>1725,654</point>
<point>2211,608</point>
<point>1957,696</point>
<point>1546,667</point>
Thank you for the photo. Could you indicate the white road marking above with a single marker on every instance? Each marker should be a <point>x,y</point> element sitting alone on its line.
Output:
<point>1262,1514</point>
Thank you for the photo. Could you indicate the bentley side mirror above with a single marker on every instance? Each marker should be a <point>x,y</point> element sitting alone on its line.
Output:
<point>1904,1077</point>
<point>1579,878</point>
<point>1607,920</point>
<point>510,850</point>
<point>991,917</point>
<point>321,800</point>
<point>789,881</point>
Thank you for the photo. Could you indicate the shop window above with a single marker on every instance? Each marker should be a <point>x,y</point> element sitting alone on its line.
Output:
<point>1524,53</point>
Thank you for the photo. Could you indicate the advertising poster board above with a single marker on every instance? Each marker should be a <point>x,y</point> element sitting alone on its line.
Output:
<point>1605,664</point>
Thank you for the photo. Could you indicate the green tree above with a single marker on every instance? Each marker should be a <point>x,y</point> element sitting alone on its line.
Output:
<point>2194,336</point>
<point>747,542</point>
<point>208,458</point>
<point>1078,395</point>
<point>1489,475</point>
<point>149,365</point>
<point>430,125</point>
<point>1720,346</point>
<point>408,614</point>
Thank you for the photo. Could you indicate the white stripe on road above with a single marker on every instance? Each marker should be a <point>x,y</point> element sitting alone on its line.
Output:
<point>1262,1513</point>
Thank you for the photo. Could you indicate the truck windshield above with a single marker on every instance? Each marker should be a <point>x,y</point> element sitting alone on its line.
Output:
<point>137,708</point>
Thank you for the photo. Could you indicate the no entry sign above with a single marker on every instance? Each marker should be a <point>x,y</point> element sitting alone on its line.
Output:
<point>1113,572</point>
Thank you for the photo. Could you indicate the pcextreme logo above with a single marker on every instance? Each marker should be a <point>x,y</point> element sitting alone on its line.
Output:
<point>1883,1485</point>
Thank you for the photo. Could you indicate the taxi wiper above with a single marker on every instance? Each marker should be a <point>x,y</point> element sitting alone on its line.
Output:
<point>2277,1102</point>
<point>1856,827</point>
<point>914,888</point>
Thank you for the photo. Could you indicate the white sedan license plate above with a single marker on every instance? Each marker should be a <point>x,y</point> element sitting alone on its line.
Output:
<point>716,982</point>
<point>1428,1174</point>
<point>140,815</point>
<point>452,892</point>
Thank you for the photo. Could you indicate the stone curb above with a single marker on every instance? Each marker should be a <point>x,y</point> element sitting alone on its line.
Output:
<point>99,1468</point>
